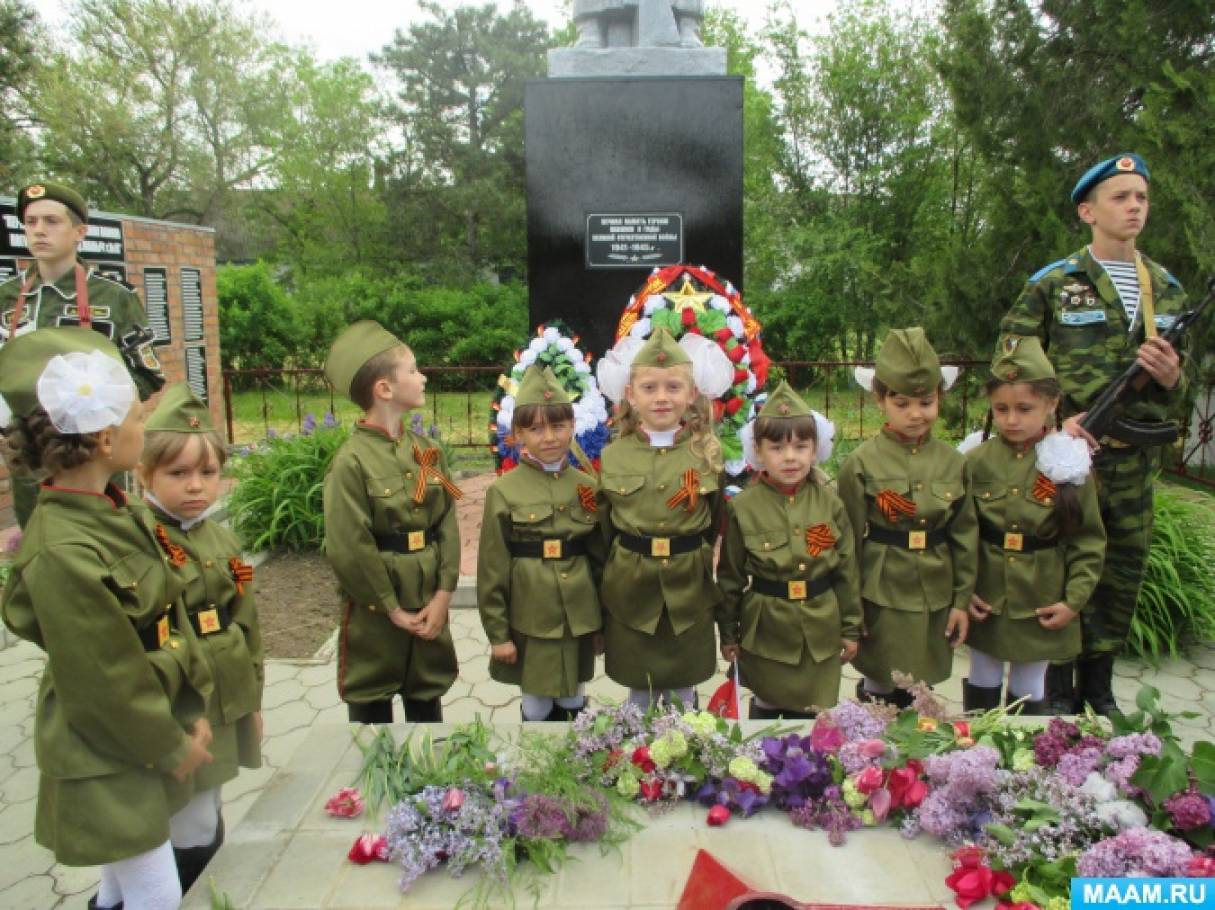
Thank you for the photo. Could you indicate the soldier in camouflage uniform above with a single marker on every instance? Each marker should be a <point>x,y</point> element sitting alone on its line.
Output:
<point>1093,330</point>
<point>58,289</point>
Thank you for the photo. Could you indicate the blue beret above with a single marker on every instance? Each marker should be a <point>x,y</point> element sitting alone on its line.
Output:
<point>1126,163</point>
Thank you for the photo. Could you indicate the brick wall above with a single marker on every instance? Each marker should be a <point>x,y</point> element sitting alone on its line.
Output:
<point>172,247</point>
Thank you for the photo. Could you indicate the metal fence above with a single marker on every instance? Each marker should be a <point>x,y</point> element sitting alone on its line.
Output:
<point>262,403</point>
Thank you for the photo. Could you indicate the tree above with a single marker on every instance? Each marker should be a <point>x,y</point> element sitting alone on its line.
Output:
<point>19,37</point>
<point>460,106</point>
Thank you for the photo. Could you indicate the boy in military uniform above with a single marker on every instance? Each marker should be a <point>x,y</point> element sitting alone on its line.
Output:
<point>1041,541</point>
<point>120,722</point>
<point>58,289</point>
<point>788,571</point>
<point>539,558</point>
<point>1096,312</point>
<point>914,524</point>
<point>661,509</point>
<point>390,535</point>
<point>180,468</point>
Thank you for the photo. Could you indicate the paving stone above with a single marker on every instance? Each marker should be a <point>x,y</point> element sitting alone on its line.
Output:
<point>75,879</point>
<point>11,736</point>
<point>24,858</point>
<point>277,750</point>
<point>34,892</point>
<point>281,693</point>
<point>26,670</point>
<point>1203,656</point>
<point>17,823</point>
<point>278,670</point>
<point>250,780</point>
<point>321,697</point>
<point>291,716</point>
<point>236,808</point>
<point>306,872</point>
<point>466,710</point>
<point>21,785</point>
<point>318,675</point>
<point>370,887</point>
<point>287,797</point>
<point>239,868</point>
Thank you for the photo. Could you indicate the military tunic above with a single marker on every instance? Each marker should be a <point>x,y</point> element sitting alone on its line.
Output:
<point>906,592</point>
<point>1073,307</point>
<point>220,604</point>
<point>659,611</point>
<point>789,648</point>
<point>111,718</point>
<point>1017,582</point>
<point>116,313</point>
<point>549,607</point>
<point>369,494</point>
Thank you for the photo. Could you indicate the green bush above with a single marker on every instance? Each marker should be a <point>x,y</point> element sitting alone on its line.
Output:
<point>277,499</point>
<point>1177,601</point>
<point>257,325</point>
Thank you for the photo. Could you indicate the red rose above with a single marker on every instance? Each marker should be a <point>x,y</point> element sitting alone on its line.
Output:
<point>641,758</point>
<point>651,789</point>
<point>346,803</point>
<point>370,848</point>
<point>718,816</point>
<point>869,780</point>
<point>688,317</point>
<point>915,794</point>
<point>723,335</point>
<point>900,781</point>
<point>961,729</point>
<point>736,353</point>
<point>968,857</point>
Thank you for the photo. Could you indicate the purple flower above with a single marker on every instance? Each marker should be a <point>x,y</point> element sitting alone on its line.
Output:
<point>1120,773</point>
<point>271,433</point>
<point>415,422</point>
<point>433,431</point>
<point>798,772</point>
<point>1137,851</point>
<point>330,420</point>
<point>858,721</point>
<point>1133,745</point>
<point>1189,810</point>
<point>308,427</point>
<point>1075,766</point>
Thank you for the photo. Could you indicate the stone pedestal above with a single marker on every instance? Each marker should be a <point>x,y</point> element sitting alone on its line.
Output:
<point>657,154</point>
<point>566,62</point>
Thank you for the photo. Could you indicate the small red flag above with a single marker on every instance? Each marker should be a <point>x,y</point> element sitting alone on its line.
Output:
<point>724,702</point>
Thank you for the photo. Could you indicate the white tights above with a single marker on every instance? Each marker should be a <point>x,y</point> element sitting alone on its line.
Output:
<point>538,707</point>
<point>144,882</point>
<point>195,824</point>
<point>1025,678</point>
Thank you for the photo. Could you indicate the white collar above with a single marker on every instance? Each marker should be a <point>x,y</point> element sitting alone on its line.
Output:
<point>661,439</point>
<point>186,524</point>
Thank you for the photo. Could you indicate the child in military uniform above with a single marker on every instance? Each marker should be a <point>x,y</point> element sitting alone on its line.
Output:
<point>1096,312</point>
<point>120,723</point>
<point>659,480</point>
<point>914,524</point>
<point>57,289</point>
<point>1041,539</point>
<point>390,535</point>
<point>183,457</point>
<point>800,615</point>
<point>538,559</point>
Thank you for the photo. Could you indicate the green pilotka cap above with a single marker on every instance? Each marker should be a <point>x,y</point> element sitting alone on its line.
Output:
<point>540,386</point>
<point>56,192</point>
<point>1021,359</point>
<point>661,350</point>
<point>907,364</point>
<point>23,359</point>
<point>353,348</point>
<point>180,411</point>
<point>784,402</point>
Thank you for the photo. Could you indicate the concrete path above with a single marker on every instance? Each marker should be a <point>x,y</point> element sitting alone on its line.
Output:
<point>302,694</point>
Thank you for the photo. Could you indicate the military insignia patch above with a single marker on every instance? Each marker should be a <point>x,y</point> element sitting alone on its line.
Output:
<point>148,357</point>
<point>1011,343</point>
<point>1125,164</point>
<point>37,191</point>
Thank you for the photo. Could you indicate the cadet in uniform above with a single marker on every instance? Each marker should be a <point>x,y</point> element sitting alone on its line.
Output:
<point>539,559</point>
<point>58,289</point>
<point>120,724</point>
<point>659,481</point>
<point>183,457</point>
<point>1041,541</point>
<point>390,535</point>
<point>1096,312</point>
<point>788,571</point>
<point>914,525</point>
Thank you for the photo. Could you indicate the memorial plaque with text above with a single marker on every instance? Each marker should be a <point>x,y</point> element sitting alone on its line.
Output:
<point>192,304</point>
<point>103,243</point>
<point>196,370</point>
<point>631,240</point>
<point>156,302</point>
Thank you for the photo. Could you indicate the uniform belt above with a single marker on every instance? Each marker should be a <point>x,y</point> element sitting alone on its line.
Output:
<point>549,548</point>
<point>154,636</point>
<point>1014,541</point>
<point>908,540</point>
<point>661,546</point>
<point>211,620</point>
<point>793,589</point>
<point>404,541</point>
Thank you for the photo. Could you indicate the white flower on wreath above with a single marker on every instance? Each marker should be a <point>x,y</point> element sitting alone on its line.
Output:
<point>567,346</point>
<point>653,302</point>
<point>1063,458</point>
<point>506,412</point>
<point>537,345</point>
<point>735,325</point>
<point>527,358</point>
<point>85,393</point>
<point>971,442</point>
<point>551,335</point>
<point>614,366</point>
<point>641,329</point>
<point>719,303</point>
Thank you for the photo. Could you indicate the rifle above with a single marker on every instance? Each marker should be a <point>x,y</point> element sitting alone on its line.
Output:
<point>1104,417</point>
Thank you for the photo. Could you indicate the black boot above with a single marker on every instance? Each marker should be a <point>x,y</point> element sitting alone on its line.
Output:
<point>863,694</point>
<point>1040,708</point>
<point>756,711</point>
<point>371,712</point>
<point>980,698</point>
<point>423,712</point>
<point>565,715</point>
<point>93,905</point>
<point>1096,673</point>
<point>191,861</point>
<point>1061,688</point>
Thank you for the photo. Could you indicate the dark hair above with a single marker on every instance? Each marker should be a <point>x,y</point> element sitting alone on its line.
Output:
<point>1068,515</point>
<point>783,429</point>
<point>32,444</point>
<point>528,415</point>
<point>378,367</point>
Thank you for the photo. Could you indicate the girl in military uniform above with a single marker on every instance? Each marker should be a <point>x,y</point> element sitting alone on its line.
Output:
<point>390,535</point>
<point>183,457</point>
<point>659,481</point>
<point>914,525</point>
<point>788,569</point>
<point>1042,543</point>
<point>120,724</point>
<point>538,559</point>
